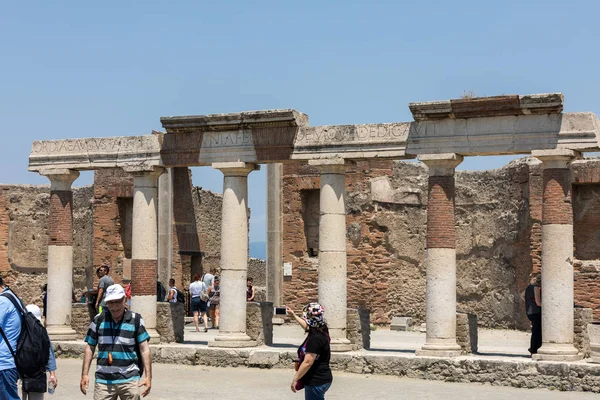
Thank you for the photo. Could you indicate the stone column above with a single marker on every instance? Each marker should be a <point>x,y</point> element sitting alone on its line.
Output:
<point>274,234</point>
<point>234,255</point>
<point>60,254</point>
<point>557,258</point>
<point>332,250</point>
<point>165,227</point>
<point>144,246</point>
<point>441,257</point>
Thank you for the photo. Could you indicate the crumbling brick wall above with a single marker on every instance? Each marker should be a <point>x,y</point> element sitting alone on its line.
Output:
<point>498,227</point>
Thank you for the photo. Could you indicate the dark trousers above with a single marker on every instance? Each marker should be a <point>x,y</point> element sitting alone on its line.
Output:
<point>536,332</point>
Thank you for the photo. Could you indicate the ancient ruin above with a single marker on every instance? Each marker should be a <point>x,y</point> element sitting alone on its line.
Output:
<point>441,135</point>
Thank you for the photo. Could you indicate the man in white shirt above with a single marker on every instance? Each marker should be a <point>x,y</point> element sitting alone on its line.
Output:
<point>198,291</point>
<point>209,277</point>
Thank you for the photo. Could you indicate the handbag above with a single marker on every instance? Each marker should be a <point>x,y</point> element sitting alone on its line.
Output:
<point>35,385</point>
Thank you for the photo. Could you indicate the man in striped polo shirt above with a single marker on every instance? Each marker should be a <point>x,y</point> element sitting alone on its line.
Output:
<point>122,340</point>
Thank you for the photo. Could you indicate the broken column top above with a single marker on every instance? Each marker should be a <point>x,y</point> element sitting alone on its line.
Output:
<point>544,103</point>
<point>234,121</point>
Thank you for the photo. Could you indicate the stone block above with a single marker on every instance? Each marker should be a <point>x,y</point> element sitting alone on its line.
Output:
<point>581,339</point>
<point>401,323</point>
<point>466,332</point>
<point>170,321</point>
<point>175,354</point>
<point>263,359</point>
<point>358,330</point>
<point>80,319</point>
<point>259,322</point>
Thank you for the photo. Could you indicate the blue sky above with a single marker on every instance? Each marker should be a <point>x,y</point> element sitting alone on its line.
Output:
<point>83,69</point>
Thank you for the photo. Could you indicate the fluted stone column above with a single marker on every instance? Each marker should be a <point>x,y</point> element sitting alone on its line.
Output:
<point>332,250</point>
<point>60,254</point>
<point>441,257</point>
<point>557,258</point>
<point>234,255</point>
<point>144,246</point>
<point>274,234</point>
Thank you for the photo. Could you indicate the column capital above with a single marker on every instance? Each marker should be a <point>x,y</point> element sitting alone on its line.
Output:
<point>441,164</point>
<point>60,178</point>
<point>331,165</point>
<point>144,171</point>
<point>236,168</point>
<point>558,158</point>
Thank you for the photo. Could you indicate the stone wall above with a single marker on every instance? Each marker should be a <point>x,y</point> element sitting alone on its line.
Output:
<point>170,322</point>
<point>498,221</point>
<point>24,238</point>
<point>80,319</point>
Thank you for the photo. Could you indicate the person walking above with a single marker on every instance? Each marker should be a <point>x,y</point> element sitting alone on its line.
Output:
<point>123,351</point>
<point>104,282</point>
<point>533,305</point>
<point>10,324</point>
<point>214,299</point>
<point>50,367</point>
<point>199,293</point>
<point>313,372</point>
<point>209,277</point>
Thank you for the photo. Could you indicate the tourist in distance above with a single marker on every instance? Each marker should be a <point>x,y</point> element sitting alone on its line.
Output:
<point>533,304</point>
<point>209,278</point>
<point>172,297</point>
<point>214,300</point>
<point>104,282</point>
<point>51,367</point>
<point>249,290</point>
<point>122,339</point>
<point>10,323</point>
<point>199,293</point>
<point>313,372</point>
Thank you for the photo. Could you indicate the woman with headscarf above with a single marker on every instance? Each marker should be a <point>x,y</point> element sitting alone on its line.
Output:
<point>313,372</point>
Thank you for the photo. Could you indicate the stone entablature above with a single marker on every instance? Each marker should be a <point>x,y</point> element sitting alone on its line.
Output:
<point>478,126</point>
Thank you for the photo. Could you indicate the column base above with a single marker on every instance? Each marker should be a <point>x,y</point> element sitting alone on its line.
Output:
<point>439,350</point>
<point>557,352</point>
<point>340,345</point>
<point>233,341</point>
<point>154,336</point>
<point>62,332</point>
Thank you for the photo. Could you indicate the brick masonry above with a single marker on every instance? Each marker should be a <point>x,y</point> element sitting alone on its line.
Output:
<point>143,277</point>
<point>557,197</point>
<point>60,222</point>
<point>441,232</point>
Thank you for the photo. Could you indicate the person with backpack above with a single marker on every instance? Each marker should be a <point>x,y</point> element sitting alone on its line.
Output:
<point>25,347</point>
<point>50,367</point>
<point>10,323</point>
<point>198,291</point>
<point>123,351</point>
<point>175,295</point>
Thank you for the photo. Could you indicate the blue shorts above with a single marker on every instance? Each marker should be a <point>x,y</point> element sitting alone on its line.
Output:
<point>8,384</point>
<point>198,305</point>
<point>316,392</point>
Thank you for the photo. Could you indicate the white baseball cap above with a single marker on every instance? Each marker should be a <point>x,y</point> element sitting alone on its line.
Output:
<point>114,292</point>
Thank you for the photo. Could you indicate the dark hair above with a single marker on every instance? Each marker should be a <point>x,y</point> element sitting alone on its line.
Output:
<point>1,281</point>
<point>217,278</point>
<point>172,280</point>
<point>106,267</point>
<point>196,277</point>
<point>250,279</point>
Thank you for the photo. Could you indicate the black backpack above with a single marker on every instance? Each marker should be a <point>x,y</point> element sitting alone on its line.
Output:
<point>180,296</point>
<point>33,347</point>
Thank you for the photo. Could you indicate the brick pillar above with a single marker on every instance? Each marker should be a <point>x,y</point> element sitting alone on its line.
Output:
<point>234,255</point>
<point>441,258</point>
<point>60,254</point>
<point>557,258</point>
<point>144,247</point>
<point>332,250</point>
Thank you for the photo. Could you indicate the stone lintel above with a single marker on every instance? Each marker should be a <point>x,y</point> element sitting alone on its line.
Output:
<point>493,106</point>
<point>441,164</point>
<point>143,170</point>
<point>558,158</point>
<point>234,121</point>
<point>60,178</point>
<point>235,168</point>
<point>330,165</point>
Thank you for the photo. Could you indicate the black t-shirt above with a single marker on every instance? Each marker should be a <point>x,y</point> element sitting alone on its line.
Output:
<point>320,372</point>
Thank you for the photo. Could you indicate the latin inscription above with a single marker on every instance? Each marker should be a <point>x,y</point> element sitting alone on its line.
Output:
<point>227,139</point>
<point>76,145</point>
<point>353,133</point>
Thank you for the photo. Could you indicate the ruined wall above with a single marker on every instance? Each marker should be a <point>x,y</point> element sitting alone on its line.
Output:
<point>498,220</point>
<point>24,238</point>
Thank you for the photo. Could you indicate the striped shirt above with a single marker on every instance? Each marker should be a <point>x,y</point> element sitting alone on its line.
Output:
<point>120,340</point>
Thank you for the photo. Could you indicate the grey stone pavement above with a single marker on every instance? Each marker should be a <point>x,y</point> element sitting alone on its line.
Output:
<point>174,382</point>
<point>493,343</point>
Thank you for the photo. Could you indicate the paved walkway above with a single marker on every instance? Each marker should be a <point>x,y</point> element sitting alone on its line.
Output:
<point>492,342</point>
<point>180,382</point>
